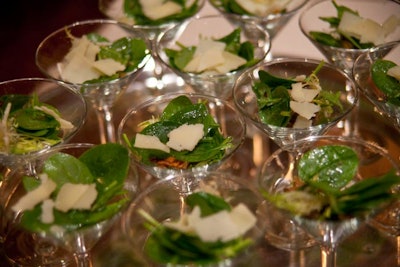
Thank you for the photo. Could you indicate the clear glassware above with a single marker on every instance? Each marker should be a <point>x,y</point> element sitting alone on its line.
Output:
<point>362,77</point>
<point>189,34</point>
<point>330,77</point>
<point>103,94</point>
<point>165,200</point>
<point>344,58</point>
<point>280,173</point>
<point>231,124</point>
<point>115,9</point>
<point>272,22</point>
<point>58,246</point>
<point>65,99</point>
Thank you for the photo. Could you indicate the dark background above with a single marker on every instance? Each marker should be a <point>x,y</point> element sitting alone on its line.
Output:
<point>25,23</point>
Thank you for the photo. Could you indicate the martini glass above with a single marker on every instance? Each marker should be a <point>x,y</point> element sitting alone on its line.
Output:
<point>69,103</point>
<point>344,57</point>
<point>102,93</point>
<point>330,77</point>
<point>362,76</point>
<point>271,18</point>
<point>157,76</point>
<point>67,239</point>
<point>218,84</point>
<point>166,200</point>
<point>231,124</point>
<point>280,174</point>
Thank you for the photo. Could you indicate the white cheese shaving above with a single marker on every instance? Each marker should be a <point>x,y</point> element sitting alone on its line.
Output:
<point>263,7</point>
<point>75,196</point>
<point>35,196</point>
<point>394,72</point>
<point>47,215</point>
<point>158,9</point>
<point>185,137</point>
<point>300,94</point>
<point>305,109</point>
<point>150,142</point>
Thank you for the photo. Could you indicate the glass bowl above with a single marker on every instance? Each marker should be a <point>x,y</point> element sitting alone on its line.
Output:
<point>69,103</point>
<point>128,49</point>
<point>330,77</point>
<point>34,237</point>
<point>188,34</point>
<point>344,58</point>
<point>230,124</point>
<point>363,78</point>
<point>167,200</point>
<point>285,171</point>
<point>272,16</point>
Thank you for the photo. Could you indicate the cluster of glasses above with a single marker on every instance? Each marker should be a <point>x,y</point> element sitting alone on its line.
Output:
<point>155,94</point>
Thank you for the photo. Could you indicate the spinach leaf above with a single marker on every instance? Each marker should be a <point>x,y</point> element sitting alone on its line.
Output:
<point>390,86</point>
<point>208,203</point>
<point>329,167</point>
<point>105,164</point>
<point>179,111</point>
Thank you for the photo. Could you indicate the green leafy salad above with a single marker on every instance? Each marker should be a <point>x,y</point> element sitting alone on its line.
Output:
<point>28,125</point>
<point>386,76</point>
<point>157,12</point>
<point>325,189</point>
<point>299,102</point>
<point>351,31</point>
<point>252,7</point>
<point>75,192</point>
<point>92,58</point>
<point>211,55</point>
<point>184,136</point>
<point>212,230</point>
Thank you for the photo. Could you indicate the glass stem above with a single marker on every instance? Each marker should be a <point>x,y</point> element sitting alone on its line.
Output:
<point>158,67</point>
<point>297,258</point>
<point>83,259</point>
<point>106,124</point>
<point>328,255</point>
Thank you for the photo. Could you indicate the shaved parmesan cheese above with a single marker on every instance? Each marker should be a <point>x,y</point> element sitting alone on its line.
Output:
<point>36,196</point>
<point>302,123</point>
<point>150,142</point>
<point>108,66</point>
<point>217,226</point>
<point>158,9</point>
<point>243,218</point>
<point>367,30</point>
<point>75,196</point>
<point>231,62</point>
<point>394,72</point>
<point>263,7</point>
<point>304,109</point>
<point>390,25</point>
<point>208,54</point>
<point>47,215</point>
<point>300,94</point>
<point>80,65</point>
<point>185,137</point>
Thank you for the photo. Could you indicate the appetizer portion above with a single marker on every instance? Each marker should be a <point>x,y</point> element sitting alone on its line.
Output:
<point>157,12</point>
<point>386,76</point>
<point>72,192</point>
<point>213,56</point>
<point>259,8</point>
<point>184,136</point>
<point>28,125</point>
<point>325,187</point>
<point>210,230</point>
<point>350,30</point>
<point>299,102</point>
<point>94,59</point>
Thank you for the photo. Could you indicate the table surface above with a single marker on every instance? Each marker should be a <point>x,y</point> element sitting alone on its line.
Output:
<point>26,23</point>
